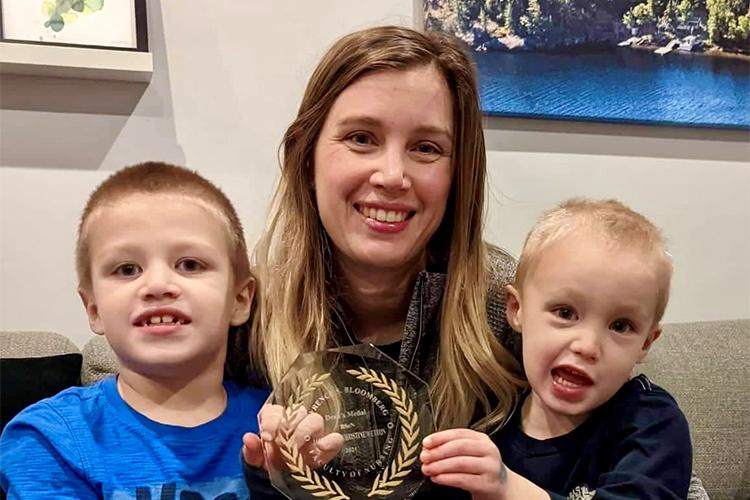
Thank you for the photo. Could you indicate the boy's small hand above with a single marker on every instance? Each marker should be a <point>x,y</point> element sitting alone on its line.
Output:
<point>252,450</point>
<point>465,459</point>
<point>315,446</point>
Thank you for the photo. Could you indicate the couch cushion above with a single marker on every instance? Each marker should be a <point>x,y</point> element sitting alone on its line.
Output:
<point>705,367</point>
<point>99,360</point>
<point>34,366</point>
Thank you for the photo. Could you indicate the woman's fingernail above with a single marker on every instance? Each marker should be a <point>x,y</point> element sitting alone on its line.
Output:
<point>266,436</point>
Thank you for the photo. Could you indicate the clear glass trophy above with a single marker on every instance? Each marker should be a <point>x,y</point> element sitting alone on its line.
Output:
<point>374,409</point>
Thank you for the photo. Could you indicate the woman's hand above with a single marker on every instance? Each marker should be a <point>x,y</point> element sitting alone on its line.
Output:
<point>307,431</point>
<point>465,459</point>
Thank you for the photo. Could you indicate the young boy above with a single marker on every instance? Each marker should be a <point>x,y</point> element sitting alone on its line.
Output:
<point>164,275</point>
<point>590,290</point>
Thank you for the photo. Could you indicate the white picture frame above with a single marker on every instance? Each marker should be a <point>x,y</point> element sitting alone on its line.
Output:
<point>111,24</point>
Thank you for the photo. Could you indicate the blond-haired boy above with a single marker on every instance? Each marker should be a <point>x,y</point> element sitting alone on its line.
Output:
<point>591,287</point>
<point>164,275</point>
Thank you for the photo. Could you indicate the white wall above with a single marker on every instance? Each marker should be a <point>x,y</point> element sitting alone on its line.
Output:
<point>694,184</point>
<point>228,78</point>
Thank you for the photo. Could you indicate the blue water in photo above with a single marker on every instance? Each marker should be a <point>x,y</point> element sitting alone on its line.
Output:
<point>618,85</point>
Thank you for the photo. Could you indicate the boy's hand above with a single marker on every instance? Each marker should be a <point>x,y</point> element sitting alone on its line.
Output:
<point>465,459</point>
<point>252,450</point>
<point>308,429</point>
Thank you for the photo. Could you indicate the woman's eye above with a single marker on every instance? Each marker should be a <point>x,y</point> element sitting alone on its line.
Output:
<point>621,326</point>
<point>360,139</point>
<point>127,270</point>
<point>190,265</point>
<point>427,151</point>
<point>566,313</point>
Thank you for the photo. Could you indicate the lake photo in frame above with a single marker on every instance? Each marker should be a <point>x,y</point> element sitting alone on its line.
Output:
<point>667,62</point>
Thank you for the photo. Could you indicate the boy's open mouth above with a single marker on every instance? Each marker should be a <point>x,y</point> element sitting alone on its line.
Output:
<point>165,319</point>
<point>569,376</point>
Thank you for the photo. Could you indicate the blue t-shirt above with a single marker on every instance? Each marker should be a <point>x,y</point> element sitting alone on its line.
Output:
<point>86,442</point>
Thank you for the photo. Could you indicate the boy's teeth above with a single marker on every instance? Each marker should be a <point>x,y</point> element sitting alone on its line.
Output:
<point>157,320</point>
<point>570,378</point>
<point>562,381</point>
<point>381,215</point>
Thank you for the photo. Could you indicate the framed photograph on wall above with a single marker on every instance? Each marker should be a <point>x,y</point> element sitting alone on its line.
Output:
<point>110,24</point>
<point>665,62</point>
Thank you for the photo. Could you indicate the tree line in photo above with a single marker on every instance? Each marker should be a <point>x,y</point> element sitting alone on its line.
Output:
<point>555,24</point>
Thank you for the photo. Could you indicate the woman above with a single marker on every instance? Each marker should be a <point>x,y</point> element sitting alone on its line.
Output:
<point>375,233</point>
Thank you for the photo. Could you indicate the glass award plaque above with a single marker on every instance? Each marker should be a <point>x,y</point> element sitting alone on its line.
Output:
<point>373,410</point>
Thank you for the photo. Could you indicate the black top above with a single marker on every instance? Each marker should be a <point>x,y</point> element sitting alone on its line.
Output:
<point>391,350</point>
<point>636,445</point>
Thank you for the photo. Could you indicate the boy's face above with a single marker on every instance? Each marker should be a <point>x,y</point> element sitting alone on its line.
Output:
<point>162,286</point>
<point>587,316</point>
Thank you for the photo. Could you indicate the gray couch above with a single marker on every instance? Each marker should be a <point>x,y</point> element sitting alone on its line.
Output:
<point>706,367</point>
<point>703,364</point>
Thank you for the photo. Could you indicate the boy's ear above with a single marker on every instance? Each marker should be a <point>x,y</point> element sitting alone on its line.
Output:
<point>513,307</point>
<point>652,336</point>
<point>243,300</point>
<point>92,311</point>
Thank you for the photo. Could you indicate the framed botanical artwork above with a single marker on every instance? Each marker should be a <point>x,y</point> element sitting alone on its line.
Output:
<point>110,24</point>
<point>666,62</point>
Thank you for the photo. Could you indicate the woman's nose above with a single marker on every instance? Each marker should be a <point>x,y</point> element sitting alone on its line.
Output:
<point>391,171</point>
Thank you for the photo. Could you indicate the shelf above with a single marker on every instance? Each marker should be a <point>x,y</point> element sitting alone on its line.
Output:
<point>75,62</point>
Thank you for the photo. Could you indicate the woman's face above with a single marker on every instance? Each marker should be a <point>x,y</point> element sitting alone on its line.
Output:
<point>383,167</point>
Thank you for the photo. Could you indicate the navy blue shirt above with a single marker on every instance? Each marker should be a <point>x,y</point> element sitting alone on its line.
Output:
<point>636,445</point>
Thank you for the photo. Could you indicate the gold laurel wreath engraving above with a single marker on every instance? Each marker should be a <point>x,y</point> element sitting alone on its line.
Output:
<point>310,480</point>
<point>391,477</point>
<point>394,475</point>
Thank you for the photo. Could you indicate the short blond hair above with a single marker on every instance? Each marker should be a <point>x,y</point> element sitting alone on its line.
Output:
<point>615,222</point>
<point>161,178</point>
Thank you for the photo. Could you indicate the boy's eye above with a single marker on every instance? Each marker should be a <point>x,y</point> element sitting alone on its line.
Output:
<point>127,270</point>
<point>190,265</point>
<point>621,326</point>
<point>566,313</point>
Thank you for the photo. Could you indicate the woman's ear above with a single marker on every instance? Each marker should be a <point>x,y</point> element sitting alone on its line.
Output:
<point>243,301</point>
<point>513,307</point>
